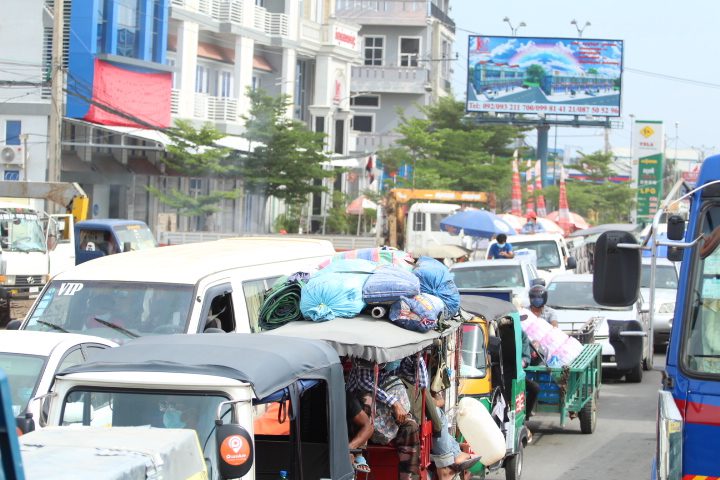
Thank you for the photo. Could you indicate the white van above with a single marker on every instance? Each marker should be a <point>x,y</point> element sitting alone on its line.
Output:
<point>551,252</point>
<point>213,286</point>
<point>423,231</point>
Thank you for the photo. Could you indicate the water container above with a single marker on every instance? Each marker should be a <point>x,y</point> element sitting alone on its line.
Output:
<point>480,430</point>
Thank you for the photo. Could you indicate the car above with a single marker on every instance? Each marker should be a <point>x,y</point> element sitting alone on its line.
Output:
<point>624,351</point>
<point>666,284</point>
<point>515,274</point>
<point>31,360</point>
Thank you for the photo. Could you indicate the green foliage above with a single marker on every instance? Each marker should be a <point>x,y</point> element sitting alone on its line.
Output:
<point>535,74</point>
<point>338,220</point>
<point>287,158</point>
<point>193,154</point>
<point>288,221</point>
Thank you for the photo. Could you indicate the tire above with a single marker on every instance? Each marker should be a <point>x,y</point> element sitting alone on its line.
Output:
<point>635,374</point>
<point>588,416</point>
<point>514,464</point>
<point>645,365</point>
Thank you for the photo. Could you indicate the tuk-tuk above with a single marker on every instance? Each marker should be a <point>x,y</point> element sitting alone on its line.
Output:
<point>491,371</point>
<point>259,404</point>
<point>381,341</point>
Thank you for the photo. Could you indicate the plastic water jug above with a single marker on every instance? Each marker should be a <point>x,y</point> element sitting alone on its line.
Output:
<point>480,430</point>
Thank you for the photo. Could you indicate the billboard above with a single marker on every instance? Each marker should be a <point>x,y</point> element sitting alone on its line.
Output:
<point>648,147</point>
<point>554,76</point>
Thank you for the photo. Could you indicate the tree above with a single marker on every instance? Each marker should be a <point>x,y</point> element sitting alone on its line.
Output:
<point>287,161</point>
<point>193,153</point>
<point>535,74</point>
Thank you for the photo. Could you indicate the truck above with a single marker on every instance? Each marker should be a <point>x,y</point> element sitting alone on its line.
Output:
<point>36,245</point>
<point>688,425</point>
<point>416,228</point>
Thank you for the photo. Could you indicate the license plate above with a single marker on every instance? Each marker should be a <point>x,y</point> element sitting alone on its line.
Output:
<point>34,289</point>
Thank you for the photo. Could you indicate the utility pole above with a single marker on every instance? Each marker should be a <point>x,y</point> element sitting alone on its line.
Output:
<point>57,96</point>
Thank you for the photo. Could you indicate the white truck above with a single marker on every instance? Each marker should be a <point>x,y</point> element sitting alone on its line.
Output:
<point>551,251</point>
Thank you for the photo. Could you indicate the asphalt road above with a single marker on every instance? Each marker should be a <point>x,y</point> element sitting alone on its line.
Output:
<point>622,445</point>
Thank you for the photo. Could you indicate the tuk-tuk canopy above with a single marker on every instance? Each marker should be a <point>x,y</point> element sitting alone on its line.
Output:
<point>267,363</point>
<point>488,307</point>
<point>365,337</point>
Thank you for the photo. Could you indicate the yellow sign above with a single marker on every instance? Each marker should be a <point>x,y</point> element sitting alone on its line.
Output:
<point>647,132</point>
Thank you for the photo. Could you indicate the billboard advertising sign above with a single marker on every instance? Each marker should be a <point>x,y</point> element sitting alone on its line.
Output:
<point>648,146</point>
<point>554,76</point>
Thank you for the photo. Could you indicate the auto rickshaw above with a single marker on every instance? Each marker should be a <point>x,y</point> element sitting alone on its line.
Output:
<point>491,370</point>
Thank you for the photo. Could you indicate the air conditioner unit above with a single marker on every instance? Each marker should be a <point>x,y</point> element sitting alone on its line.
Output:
<point>11,154</point>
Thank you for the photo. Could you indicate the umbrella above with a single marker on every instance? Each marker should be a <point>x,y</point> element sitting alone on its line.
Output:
<point>476,223</point>
<point>515,221</point>
<point>576,221</point>
<point>359,205</point>
<point>441,251</point>
<point>550,226</point>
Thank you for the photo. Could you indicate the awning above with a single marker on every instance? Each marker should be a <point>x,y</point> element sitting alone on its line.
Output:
<point>157,137</point>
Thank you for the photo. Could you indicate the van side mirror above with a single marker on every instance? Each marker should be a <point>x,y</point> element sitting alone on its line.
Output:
<point>571,263</point>
<point>675,228</point>
<point>616,277</point>
<point>13,325</point>
<point>538,281</point>
<point>675,254</point>
<point>127,246</point>
<point>235,450</point>
<point>25,423</point>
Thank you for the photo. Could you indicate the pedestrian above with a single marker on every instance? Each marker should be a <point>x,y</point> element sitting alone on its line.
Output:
<point>538,298</point>
<point>532,389</point>
<point>531,224</point>
<point>500,249</point>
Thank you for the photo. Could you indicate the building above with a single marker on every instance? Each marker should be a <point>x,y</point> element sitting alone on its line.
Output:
<point>407,63</point>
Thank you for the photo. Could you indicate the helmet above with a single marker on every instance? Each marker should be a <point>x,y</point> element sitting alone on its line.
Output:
<point>538,296</point>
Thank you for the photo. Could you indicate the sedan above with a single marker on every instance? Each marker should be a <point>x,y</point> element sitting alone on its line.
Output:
<point>31,359</point>
<point>512,274</point>
<point>622,331</point>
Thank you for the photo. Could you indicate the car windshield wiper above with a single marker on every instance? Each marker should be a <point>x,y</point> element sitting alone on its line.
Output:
<point>117,327</point>
<point>53,326</point>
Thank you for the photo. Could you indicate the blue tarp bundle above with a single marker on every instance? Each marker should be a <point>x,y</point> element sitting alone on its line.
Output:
<point>436,279</point>
<point>388,283</point>
<point>336,290</point>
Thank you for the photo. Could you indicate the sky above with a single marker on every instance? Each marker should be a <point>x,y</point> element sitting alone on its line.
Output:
<point>671,61</point>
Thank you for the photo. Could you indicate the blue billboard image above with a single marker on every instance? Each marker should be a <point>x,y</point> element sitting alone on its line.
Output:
<point>555,76</point>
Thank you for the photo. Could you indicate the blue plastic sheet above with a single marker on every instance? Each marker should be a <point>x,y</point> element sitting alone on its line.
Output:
<point>332,294</point>
<point>436,279</point>
<point>388,283</point>
<point>419,313</point>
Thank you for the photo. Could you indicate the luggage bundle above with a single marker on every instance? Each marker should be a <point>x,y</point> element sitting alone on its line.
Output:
<point>380,281</point>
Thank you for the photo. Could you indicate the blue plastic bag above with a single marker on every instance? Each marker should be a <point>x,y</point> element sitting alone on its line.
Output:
<point>354,265</point>
<point>436,279</point>
<point>332,295</point>
<point>419,313</point>
<point>388,283</point>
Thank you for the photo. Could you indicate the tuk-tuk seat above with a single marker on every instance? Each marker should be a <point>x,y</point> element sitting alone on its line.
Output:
<point>383,459</point>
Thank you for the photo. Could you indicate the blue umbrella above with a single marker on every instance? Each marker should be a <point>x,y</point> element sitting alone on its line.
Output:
<point>476,223</point>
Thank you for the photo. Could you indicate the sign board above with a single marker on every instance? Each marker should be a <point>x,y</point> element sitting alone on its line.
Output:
<point>345,37</point>
<point>554,76</point>
<point>648,138</point>
<point>12,175</point>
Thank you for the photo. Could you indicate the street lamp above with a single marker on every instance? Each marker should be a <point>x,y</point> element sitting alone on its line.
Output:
<point>580,29</point>
<point>514,29</point>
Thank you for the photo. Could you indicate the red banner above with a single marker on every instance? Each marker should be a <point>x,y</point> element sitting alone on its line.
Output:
<point>145,96</point>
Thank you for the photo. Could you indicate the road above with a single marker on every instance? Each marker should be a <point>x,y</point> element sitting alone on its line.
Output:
<point>621,447</point>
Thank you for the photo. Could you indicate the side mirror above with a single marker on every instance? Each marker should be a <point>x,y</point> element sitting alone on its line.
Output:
<point>14,325</point>
<point>675,254</point>
<point>25,423</point>
<point>616,277</point>
<point>127,246</point>
<point>571,263</point>
<point>675,227</point>
<point>538,281</point>
<point>236,450</point>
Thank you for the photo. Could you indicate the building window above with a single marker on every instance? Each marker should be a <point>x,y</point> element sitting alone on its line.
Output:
<point>363,123</point>
<point>13,129</point>
<point>374,50</point>
<point>300,100</point>
<point>127,28</point>
<point>157,30</point>
<point>369,101</point>
<point>409,51</point>
<point>225,84</point>
<point>175,74</point>
<point>101,25</point>
<point>201,79</point>
<point>446,59</point>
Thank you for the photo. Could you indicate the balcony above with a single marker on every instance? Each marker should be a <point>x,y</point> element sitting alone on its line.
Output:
<point>243,13</point>
<point>311,31</point>
<point>436,12</point>
<point>390,79</point>
<point>372,142</point>
<point>206,7</point>
<point>383,12</point>
<point>204,107</point>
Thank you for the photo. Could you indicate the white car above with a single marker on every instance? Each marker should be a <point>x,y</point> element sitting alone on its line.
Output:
<point>513,274</point>
<point>666,284</point>
<point>31,359</point>
<point>551,252</point>
<point>622,331</point>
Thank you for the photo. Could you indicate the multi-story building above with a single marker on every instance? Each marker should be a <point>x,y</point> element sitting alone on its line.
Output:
<point>407,63</point>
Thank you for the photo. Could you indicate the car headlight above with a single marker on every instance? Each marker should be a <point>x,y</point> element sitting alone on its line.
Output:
<point>668,307</point>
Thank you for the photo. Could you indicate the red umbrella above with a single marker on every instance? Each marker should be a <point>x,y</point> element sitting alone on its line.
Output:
<point>359,205</point>
<point>576,221</point>
<point>541,210</point>
<point>516,192</point>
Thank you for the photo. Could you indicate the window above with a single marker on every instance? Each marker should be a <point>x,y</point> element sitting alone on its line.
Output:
<point>201,79</point>
<point>363,123</point>
<point>374,50</point>
<point>13,128</point>
<point>254,292</point>
<point>370,101</point>
<point>101,25</point>
<point>418,221</point>
<point>225,84</point>
<point>665,277</point>
<point>127,28</point>
<point>409,51</point>
<point>75,357</point>
<point>473,358</point>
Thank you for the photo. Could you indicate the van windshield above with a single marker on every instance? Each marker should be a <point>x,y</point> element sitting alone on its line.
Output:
<point>665,277</point>
<point>548,255</point>
<point>116,310</point>
<point>138,236</point>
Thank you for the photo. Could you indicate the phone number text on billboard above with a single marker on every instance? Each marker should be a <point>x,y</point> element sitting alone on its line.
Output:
<point>529,108</point>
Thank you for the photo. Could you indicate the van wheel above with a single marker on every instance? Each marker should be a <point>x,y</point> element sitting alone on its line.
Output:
<point>514,464</point>
<point>588,416</point>
<point>635,374</point>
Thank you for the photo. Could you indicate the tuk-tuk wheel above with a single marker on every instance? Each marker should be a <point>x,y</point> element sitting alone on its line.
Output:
<point>588,416</point>
<point>514,464</point>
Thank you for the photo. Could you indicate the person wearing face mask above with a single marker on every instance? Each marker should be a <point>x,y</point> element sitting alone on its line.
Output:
<point>538,299</point>
<point>532,225</point>
<point>501,249</point>
<point>180,416</point>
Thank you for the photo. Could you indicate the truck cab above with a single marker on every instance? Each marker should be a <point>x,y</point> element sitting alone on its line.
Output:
<point>423,227</point>
<point>99,237</point>
<point>551,252</point>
